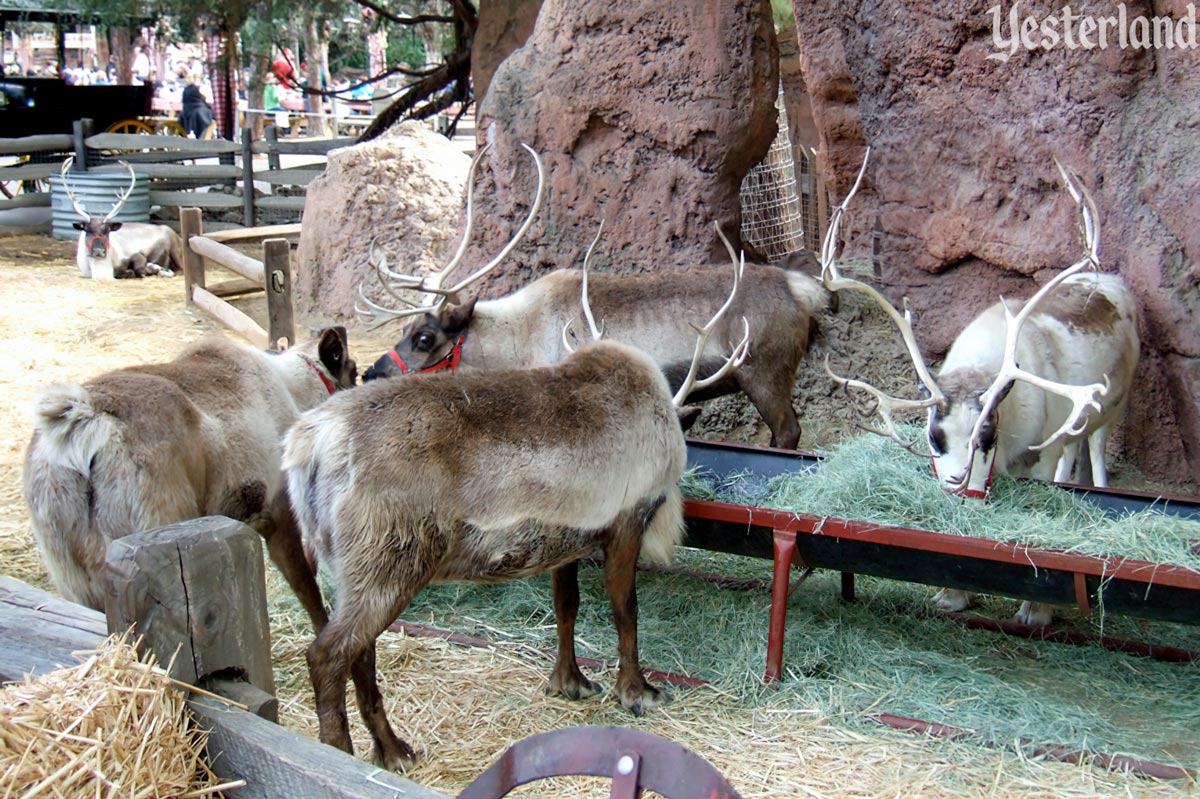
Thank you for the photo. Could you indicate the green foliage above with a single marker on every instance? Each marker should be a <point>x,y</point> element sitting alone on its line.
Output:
<point>783,14</point>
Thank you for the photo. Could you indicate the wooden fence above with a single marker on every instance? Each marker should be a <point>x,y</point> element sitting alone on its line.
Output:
<point>271,276</point>
<point>201,173</point>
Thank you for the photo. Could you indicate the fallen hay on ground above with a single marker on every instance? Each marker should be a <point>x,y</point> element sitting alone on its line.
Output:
<point>870,478</point>
<point>114,726</point>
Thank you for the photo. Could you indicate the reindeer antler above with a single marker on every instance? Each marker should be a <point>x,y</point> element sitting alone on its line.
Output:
<point>78,206</point>
<point>597,332</point>
<point>1083,398</point>
<point>738,356</point>
<point>373,314</point>
<point>885,404</point>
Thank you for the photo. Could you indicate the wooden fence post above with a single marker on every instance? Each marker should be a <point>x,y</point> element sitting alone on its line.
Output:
<point>191,223</point>
<point>277,273</point>
<point>271,134</point>
<point>81,128</point>
<point>197,586</point>
<point>248,177</point>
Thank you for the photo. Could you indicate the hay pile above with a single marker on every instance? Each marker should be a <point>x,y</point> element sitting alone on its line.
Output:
<point>870,478</point>
<point>112,726</point>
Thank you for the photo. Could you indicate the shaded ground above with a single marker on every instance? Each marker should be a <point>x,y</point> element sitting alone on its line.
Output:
<point>58,325</point>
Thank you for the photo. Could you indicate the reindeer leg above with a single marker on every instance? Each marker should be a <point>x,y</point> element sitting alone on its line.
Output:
<point>620,570</point>
<point>137,265</point>
<point>773,400</point>
<point>346,644</point>
<point>286,550</point>
<point>567,679</point>
<point>1097,442</point>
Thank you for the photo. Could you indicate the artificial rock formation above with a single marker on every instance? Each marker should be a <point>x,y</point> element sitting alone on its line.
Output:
<point>963,182</point>
<point>404,190</point>
<point>647,114</point>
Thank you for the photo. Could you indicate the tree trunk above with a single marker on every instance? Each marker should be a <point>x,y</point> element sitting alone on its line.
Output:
<point>121,41</point>
<point>316,53</point>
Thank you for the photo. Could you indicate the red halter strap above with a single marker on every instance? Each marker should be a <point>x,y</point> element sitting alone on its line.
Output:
<point>93,239</point>
<point>449,361</point>
<point>329,386</point>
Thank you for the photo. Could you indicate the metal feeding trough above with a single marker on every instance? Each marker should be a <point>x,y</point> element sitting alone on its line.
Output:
<point>1126,587</point>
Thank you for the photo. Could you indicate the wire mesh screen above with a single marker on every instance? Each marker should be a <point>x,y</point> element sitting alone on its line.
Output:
<point>773,219</point>
<point>810,206</point>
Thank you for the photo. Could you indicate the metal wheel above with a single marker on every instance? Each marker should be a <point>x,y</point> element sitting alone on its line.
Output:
<point>131,126</point>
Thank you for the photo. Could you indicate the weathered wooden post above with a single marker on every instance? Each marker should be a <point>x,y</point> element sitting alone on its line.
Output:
<point>248,177</point>
<point>198,587</point>
<point>191,223</point>
<point>81,128</point>
<point>277,273</point>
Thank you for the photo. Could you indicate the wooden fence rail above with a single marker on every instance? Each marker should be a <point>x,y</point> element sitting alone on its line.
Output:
<point>271,275</point>
<point>170,164</point>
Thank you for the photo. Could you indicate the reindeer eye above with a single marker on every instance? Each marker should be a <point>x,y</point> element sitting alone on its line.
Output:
<point>937,441</point>
<point>424,341</point>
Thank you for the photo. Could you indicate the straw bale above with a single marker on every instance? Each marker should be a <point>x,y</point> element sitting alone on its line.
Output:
<point>112,726</point>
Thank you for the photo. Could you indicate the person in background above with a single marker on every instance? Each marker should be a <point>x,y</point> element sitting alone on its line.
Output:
<point>196,115</point>
<point>273,101</point>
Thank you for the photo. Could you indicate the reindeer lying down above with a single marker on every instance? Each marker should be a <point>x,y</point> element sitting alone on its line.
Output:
<point>146,446</point>
<point>487,476</point>
<point>111,250</point>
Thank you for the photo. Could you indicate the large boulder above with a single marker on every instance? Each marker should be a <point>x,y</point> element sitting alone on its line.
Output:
<point>647,114</point>
<point>963,181</point>
<point>404,190</point>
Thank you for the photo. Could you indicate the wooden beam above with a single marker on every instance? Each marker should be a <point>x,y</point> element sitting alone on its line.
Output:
<point>195,199</point>
<point>275,762</point>
<point>197,587</point>
<point>55,142</point>
<point>251,233</point>
<point>39,630</point>
<point>137,141</point>
<point>231,259</point>
<point>231,317</point>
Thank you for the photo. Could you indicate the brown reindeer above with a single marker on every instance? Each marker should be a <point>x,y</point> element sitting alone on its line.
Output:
<point>648,311</point>
<point>488,476</point>
<point>146,446</point>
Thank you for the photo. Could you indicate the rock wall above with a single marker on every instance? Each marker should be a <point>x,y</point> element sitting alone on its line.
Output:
<point>647,114</point>
<point>404,190</point>
<point>963,182</point>
<point>504,25</point>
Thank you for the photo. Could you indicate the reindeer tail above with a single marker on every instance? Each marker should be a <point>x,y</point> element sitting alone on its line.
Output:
<point>665,529</point>
<point>69,433</point>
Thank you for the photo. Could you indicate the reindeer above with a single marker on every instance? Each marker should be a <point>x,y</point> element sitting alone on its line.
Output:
<point>489,476</point>
<point>111,250</point>
<point>646,311</point>
<point>1024,384</point>
<point>145,446</point>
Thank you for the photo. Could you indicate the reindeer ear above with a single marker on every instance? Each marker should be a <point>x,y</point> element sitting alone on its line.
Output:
<point>332,348</point>
<point>112,226</point>
<point>79,225</point>
<point>457,317</point>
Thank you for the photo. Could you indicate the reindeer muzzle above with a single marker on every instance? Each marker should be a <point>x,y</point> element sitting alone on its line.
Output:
<point>97,246</point>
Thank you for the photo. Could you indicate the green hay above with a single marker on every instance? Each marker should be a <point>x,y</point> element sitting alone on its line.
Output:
<point>871,479</point>
<point>883,654</point>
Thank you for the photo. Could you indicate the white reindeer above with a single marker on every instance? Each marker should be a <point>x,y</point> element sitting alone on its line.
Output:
<point>110,250</point>
<point>1023,384</point>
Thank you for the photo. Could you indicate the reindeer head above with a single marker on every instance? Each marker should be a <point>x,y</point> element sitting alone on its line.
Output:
<point>96,229</point>
<point>963,413</point>
<point>433,340</point>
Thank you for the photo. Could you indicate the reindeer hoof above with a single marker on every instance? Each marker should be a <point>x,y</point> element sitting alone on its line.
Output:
<point>399,757</point>
<point>1035,614</point>
<point>951,599</point>
<point>638,701</point>
<point>577,687</point>
<point>165,273</point>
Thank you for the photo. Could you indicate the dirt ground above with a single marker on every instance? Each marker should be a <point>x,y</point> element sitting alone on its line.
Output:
<point>58,325</point>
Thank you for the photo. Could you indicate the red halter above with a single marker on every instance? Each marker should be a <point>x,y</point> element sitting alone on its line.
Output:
<point>329,386</point>
<point>449,361</point>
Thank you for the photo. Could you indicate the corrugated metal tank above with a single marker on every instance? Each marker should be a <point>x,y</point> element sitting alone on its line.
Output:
<point>97,191</point>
